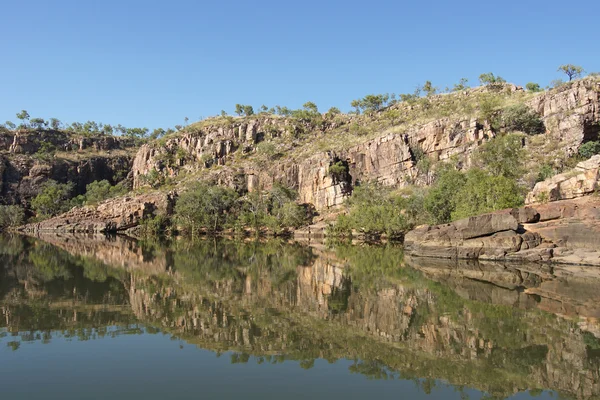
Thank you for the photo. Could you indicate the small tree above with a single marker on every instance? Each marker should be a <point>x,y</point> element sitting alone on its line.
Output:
<point>53,199</point>
<point>333,111</point>
<point>10,125</point>
<point>521,118</point>
<point>11,216</point>
<point>55,124</point>
<point>38,123</point>
<point>205,206</point>
<point>248,110</point>
<point>490,79</point>
<point>533,87</point>
<point>502,156</point>
<point>429,89</point>
<point>23,116</point>
<point>572,71</point>
<point>461,85</point>
<point>239,109</point>
<point>97,191</point>
<point>311,107</point>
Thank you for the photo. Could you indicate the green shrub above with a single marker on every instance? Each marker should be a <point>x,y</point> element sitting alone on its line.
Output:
<point>338,171</point>
<point>156,225</point>
<point>53,199</point>
<point>546,171</point>
<point>440,200</point>
<point>11,216</point>
<point>484,192</point>
<point>521,118</point>
<point>533,87</point>
<point>98,191</point>
<point>489,108</point>
<point>374,210</point>
<point>46,151</point>
<point>502,156</point>
<point>205,206</point>
<point>589,149</point>
<point>276,210</point>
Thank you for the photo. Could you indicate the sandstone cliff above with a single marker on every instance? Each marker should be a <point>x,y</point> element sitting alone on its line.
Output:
<point>29,158</point>
<point>111,216</point>
<point>256,151</point>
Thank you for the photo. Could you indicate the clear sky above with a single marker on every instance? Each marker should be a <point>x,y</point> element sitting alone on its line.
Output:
<point>153,63</point>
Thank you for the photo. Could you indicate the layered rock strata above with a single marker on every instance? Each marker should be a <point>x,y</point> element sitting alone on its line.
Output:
<point>564,232</point>
<point>114,215</point>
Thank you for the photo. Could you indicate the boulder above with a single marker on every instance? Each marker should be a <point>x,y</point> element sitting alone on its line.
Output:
<point>565,231</point>
<point>578,182</point>
<point>113,215</point>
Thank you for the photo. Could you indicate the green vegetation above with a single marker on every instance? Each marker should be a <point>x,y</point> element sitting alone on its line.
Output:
<point>246,110</point>
<point>589,149</point>
<point>53,199</point>
<point>205,206</point>
<point>210,208</point>
<point>85,129</point>
<point>462,85</point>
<point>494,110</point>
<point>533,87</point>
<point>11,216</point>
<point>492,184</point>
<point>375,211</point>
<point>491,80</point>
<point>572,71</point>
<point>521,118</point>
<point>98,191</point>
<point>371,103</point>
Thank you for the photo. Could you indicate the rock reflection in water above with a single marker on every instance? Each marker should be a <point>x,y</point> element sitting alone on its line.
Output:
<point>494,327</point>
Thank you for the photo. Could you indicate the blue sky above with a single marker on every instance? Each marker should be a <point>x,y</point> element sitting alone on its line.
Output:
<point>150,63</point>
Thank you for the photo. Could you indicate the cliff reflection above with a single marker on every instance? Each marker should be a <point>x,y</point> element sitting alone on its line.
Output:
<point>494,327</point>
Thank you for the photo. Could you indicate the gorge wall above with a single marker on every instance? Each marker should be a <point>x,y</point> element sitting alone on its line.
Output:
<point>389,156</point>
<point>30,158</point>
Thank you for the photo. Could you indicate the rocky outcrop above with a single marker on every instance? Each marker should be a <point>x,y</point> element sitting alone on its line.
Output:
<point>570,114</point>
<point>562,232</point>
<point>110,216</point>
<point>22,177</point>
<point>580,181</point>
<point>25,141</point>
<point>66,158</point>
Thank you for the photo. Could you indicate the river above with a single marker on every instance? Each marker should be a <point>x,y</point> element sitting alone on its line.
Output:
<point>89,317</point>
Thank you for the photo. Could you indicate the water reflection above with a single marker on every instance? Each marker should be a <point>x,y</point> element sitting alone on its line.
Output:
<point>497,328</point>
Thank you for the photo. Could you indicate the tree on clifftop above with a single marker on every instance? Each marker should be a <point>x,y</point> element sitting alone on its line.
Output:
<point>572,71</point>
<point>23,116</point>
<point>246,110</point>
<point>490,79</point>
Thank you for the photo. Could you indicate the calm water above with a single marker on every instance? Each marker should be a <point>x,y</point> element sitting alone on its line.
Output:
<point>89,318</point>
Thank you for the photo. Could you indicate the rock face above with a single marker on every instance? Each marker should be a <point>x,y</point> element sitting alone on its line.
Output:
<point>570,114</point>
<point>110,216</point>
<point>86,160</point>
<point>580,181</point>
<point>388,159</point>
<point>563,232</point>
